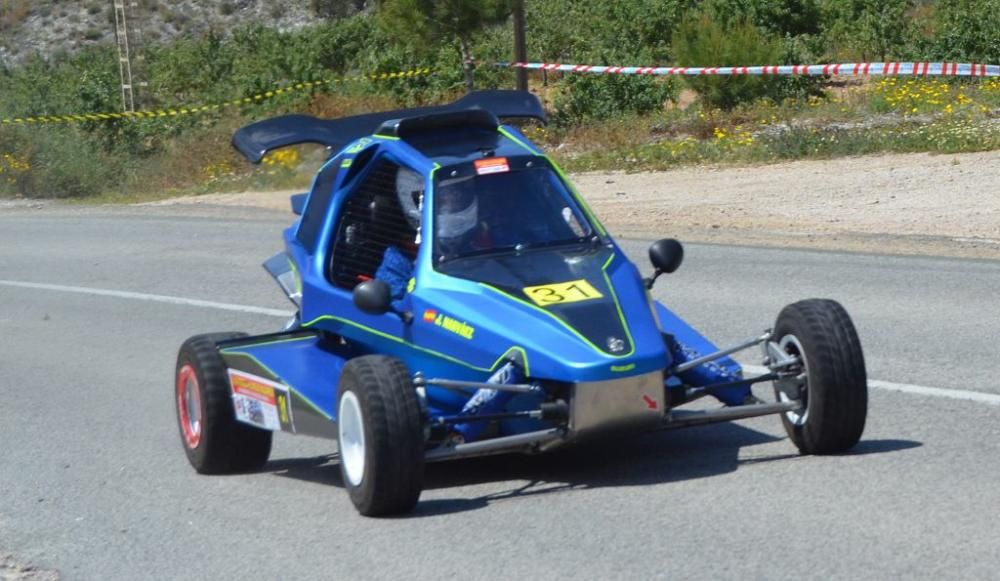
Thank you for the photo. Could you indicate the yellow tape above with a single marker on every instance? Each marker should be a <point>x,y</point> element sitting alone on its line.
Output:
<point>301,86</point>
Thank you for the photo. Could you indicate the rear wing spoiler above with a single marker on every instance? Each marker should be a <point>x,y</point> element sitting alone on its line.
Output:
<point>256,139</point>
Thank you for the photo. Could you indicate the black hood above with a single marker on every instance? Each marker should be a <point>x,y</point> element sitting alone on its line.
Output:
<point>597,316</point>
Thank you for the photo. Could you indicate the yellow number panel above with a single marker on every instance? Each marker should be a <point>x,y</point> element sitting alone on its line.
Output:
<point>562,292</point>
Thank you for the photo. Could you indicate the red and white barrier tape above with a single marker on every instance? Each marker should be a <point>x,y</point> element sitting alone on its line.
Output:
<point>855,69</point>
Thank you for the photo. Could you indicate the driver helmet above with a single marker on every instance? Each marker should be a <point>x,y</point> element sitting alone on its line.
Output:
<point>410,191</point>
<point>456,209</point>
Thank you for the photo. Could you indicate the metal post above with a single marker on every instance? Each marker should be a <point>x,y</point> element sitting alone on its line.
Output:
<point>520,47</point>
<point>124,62</point>
<point>136,50</point>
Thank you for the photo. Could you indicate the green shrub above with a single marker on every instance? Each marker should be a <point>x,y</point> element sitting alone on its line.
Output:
<point>62,164</point>
<point>212,68</point>
<point>967,30</point>
<point>868,30</point>
<point>786,18</point>
<point>702,40</point>
<point>587,97</point>
<point>635,33</point>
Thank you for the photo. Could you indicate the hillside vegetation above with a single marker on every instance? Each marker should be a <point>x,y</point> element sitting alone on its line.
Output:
<point>61,27</point>
<point>598,121</point>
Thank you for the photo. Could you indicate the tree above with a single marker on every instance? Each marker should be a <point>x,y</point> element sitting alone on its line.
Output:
<point>780,17</point>
<point>968,30</point>
<point>334,9</point>
<point>431,22</point>
<point>701,40</point>
<point>869,29</point>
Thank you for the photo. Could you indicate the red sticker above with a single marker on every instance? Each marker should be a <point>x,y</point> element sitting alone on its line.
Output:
<point>249,387</point>
<point>430,315</point>
<point>494,165</point>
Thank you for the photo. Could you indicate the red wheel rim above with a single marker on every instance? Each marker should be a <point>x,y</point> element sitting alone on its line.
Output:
<point>189,405</point>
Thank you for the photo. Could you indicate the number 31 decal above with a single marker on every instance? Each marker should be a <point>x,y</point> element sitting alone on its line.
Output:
<point>562,292</point>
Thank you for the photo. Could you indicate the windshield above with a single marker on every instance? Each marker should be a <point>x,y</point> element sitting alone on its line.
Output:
<point>499,205</point>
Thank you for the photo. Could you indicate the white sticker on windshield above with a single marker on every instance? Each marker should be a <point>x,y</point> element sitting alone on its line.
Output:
<point>494,165</point>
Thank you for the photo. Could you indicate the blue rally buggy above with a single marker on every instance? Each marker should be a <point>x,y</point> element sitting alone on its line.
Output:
<point>456,297</point>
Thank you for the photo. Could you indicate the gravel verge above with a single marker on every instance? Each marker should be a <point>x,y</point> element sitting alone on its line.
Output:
<point>13,570</point>
<point>942,205</point>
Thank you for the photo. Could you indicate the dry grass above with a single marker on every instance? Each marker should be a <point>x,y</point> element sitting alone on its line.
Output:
<point>12,12</point>
<point>329,106</point>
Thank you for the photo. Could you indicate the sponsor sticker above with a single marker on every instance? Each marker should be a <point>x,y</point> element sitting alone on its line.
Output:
<point>622,368</point>
<point>563,292</point>
<point>460,328</point>
<point>259,401</point>
<point>359,145</point>
<point>492,165</point>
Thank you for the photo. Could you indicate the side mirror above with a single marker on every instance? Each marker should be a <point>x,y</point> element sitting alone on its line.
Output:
<point>666,255</point>
<point>373,297</point>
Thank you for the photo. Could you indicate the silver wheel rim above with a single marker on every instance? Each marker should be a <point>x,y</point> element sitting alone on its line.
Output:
<point>790,344</point>
<point>351,428</point>
<point>192,398</point>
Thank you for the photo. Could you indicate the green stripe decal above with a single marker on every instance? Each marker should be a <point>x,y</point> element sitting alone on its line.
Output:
<point>234,350</point>
<point>576,195</point>
<point>621,315</point>
<point>277,377</point>
<point>618,306</point>
<point>511,137</point>
<point>431,352</point>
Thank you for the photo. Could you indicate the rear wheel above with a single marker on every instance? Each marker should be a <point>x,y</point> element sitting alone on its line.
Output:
<point>380,436</point>
<point>831,382</point>
<point>214,441</point>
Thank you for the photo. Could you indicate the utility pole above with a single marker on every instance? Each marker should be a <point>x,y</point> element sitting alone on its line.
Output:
<point>520,47</point>
<point>124,61</point>
<point>128,36</point>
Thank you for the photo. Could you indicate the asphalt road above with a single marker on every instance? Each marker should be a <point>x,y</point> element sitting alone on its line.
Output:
<point>94,483</point>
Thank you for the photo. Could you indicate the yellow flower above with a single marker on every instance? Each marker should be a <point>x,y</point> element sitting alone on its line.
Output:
<point>285,158</point>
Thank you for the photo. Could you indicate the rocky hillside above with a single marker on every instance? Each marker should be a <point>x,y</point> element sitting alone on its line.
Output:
<point>49,27</point>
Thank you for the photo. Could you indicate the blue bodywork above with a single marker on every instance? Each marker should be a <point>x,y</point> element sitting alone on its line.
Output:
<point>464,326</point>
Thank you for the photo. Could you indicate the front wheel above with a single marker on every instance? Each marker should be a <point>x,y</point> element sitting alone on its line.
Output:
<point>380,435</point>
<point>829,381</point>
<point>214,440</point>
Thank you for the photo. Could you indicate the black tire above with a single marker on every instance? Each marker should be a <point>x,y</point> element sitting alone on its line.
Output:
<point>222,445</point>
<point>836,385</point>
<point>391,476</point>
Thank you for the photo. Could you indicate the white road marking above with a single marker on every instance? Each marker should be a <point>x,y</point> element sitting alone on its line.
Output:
<point>960,394</point>
<point>977,240</point>
<point>148,297</point>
